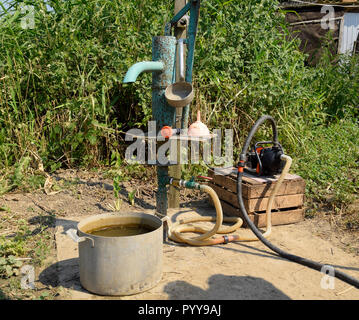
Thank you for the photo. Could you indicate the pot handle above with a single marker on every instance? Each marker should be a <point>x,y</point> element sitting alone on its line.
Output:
<point>72,233</point>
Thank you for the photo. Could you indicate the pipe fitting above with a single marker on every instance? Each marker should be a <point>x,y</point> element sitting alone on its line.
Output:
<point>189,184</point>
<point>139,67</point>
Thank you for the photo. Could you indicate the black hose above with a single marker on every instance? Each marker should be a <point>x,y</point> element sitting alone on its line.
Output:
<point>306,262</point>
<point>254,130</point>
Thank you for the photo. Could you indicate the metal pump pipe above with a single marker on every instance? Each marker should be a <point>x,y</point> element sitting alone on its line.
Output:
<point>162,68</point>
<point>163,75</point>
<point>139,67</point>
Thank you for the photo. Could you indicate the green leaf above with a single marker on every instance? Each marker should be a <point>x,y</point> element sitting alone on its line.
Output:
<point>18,263</point>
<point>9,271</point>
<point>44,295</point>
<point>11,259</point>
<point>92,139</point>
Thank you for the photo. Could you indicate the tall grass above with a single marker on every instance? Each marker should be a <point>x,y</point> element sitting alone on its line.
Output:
<point>61,92</point>
<point>61,96</point>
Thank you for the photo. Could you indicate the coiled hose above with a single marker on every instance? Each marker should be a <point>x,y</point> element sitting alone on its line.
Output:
<point>176,230</point>
<point>306,262</point>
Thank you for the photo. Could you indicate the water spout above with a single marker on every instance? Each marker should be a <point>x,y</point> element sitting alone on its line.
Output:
<point>139,67</point>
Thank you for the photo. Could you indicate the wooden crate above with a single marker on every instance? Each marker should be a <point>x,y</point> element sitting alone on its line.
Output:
<point>288,205</point>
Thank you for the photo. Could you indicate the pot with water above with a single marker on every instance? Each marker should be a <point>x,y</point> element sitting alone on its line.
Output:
<point>119,254</point>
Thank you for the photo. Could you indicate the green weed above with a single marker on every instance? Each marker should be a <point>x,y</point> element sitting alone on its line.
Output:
<point>62,97</point>
<point>330,165</point>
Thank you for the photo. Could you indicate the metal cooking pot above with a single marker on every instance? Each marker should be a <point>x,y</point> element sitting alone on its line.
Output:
<point>119,265</point>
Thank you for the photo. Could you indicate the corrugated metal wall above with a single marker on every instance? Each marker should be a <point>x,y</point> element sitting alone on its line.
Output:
<point>348,32</point>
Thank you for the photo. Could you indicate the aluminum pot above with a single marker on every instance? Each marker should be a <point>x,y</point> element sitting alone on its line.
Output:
<point>119,265</point>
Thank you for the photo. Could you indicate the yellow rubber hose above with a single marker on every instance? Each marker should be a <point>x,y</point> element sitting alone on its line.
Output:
<point>288,163</point>
<point>176,230</point>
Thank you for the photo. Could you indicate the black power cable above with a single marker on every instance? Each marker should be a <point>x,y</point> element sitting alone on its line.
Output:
<point>306,262</point>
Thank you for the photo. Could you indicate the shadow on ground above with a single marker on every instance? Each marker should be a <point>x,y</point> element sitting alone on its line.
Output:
<point>224,287</point>
<point>220,287</point>
<point>70,268</point>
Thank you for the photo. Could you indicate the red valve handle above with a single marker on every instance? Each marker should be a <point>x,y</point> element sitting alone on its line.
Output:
<point>166,132</point>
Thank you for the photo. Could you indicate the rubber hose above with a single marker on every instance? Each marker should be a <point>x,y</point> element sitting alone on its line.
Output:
<point>175,230</point>
<point>306,262</point>
<point>255,128</point>
<point>274,192</point>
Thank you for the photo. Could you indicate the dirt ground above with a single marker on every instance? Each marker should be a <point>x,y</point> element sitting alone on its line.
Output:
<point>242,270</point>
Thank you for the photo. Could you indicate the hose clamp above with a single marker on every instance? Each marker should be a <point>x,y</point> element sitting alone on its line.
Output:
<point>226,239</point>
<point>241,164</point>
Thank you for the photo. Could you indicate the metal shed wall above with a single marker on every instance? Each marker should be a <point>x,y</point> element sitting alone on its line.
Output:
<point>348,32</point>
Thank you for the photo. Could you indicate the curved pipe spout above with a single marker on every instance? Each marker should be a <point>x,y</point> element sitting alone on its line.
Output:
<point>139,67</point>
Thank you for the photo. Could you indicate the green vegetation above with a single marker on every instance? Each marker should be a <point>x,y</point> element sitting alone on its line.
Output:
<point>9,266</point>
<point>329,163</point>
<point>22,241</point>
<point>62,103</point>
<point>25,238</point>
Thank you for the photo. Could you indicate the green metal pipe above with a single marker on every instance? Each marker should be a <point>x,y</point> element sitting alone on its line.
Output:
<point>191,32</point>
<point>144,66</point>
<point>176,18</point>
<point>163,49</point>
<point>162,68</point>
<point>193,6</point>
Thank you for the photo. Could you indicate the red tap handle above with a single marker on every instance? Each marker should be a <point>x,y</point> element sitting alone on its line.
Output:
<point>166,132</point>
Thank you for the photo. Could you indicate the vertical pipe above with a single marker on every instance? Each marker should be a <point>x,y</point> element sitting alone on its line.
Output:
<point>180,32</point>
<point>181,60</point>
<point>164,50</point>
<point>192,32</point>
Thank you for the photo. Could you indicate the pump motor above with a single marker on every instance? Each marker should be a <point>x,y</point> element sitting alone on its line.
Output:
<point>265,161</point>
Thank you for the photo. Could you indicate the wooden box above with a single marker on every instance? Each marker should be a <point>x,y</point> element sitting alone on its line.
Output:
<point>288,205</point>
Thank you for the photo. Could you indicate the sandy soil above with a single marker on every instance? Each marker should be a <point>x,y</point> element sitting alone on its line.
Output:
<point>242,270</point>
